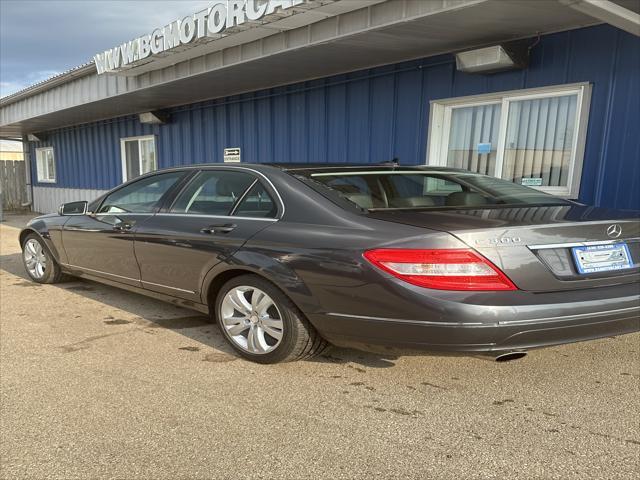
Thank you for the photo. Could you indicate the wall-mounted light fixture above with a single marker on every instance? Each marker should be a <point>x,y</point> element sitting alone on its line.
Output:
<point>493,59</point>
<point>35,138</point>
<point>153,118</point>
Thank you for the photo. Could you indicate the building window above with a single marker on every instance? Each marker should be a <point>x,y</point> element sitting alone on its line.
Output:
<point>138,156</point>
<point>45,165</point>
<point>532,137</point>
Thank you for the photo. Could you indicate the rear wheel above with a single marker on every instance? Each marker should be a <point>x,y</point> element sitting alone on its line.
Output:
<point>38,262</point>
<point>262,324</point>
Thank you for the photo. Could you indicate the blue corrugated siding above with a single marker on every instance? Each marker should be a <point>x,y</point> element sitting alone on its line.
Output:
<point>382,113</point>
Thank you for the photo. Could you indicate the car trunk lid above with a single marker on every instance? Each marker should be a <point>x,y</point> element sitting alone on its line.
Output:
<point>535,246</point>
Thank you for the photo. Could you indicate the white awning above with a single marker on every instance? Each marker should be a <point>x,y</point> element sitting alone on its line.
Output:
<point>343,40</point>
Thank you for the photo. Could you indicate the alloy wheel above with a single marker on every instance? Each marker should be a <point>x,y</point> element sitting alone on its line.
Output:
<point>251,319</point>
<point>35,258</point>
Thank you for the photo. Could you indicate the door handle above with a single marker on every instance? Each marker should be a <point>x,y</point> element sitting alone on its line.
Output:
<point>123,227</point>
<point>223,228</point>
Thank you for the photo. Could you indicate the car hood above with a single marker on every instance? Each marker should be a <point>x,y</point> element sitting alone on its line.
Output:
<point>42,217</point>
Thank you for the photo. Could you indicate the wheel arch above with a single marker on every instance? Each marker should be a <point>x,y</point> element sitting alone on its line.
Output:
<point>25,233</point>
<point>292,287</point>
<point>44,236</point>
<point>213,288</point>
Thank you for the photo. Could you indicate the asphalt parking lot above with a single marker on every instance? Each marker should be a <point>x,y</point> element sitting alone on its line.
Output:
<point>101,383</point>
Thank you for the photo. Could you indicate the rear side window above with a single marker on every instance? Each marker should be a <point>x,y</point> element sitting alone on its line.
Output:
<point>257,204</point>
<point>142,196</point>
<point>370,189</point>
<point>212,193</point>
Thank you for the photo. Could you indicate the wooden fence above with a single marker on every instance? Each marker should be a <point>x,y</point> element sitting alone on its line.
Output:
<point>13,185</point>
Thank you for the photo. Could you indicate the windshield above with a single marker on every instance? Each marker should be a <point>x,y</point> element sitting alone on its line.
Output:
<point>412,189</point>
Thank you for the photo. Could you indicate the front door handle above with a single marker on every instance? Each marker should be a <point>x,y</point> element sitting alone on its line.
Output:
<point>223,228</point>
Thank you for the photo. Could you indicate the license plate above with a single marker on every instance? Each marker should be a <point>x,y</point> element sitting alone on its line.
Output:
<point>602,258</point>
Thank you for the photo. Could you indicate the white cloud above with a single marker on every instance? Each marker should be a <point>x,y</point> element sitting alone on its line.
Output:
<point>7,87</point>
<point>41,38</point>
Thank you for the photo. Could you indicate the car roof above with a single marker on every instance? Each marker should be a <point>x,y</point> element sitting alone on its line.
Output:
<point>308,169</point>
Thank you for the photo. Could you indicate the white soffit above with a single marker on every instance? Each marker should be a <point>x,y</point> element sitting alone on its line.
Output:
<point>621,14</point>
<point>300,16</point>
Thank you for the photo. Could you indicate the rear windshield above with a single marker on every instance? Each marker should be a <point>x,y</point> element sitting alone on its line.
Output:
<point>383,190</point>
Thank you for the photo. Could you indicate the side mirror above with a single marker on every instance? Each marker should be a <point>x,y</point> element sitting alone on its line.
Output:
<point>73,208</point>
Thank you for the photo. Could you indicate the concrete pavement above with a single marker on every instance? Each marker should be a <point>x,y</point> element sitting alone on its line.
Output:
<point>100,383</point>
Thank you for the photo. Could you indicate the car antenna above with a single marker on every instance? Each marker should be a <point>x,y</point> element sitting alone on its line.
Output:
<point>393,163</point>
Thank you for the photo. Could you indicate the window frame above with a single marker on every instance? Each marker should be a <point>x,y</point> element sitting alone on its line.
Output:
<point>243,197</point>
<point>440,128</point>
<point>194,178</point>
<point>159,204</point>
<point>123,154</point>
<point>265,181</point>
<point>39,177</point>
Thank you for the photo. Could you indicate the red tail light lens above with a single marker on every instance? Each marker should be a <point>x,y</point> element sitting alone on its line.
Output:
<point>441,269</point>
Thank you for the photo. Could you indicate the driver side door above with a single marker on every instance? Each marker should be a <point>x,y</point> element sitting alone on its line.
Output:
<point>101,243</point>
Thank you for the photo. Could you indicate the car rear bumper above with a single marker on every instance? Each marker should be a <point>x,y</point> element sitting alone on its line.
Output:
<point>520,331</point>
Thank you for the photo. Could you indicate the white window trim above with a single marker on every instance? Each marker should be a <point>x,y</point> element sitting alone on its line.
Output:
<point>38,172</point>
<point>440,126</point>
<point>123,153</point>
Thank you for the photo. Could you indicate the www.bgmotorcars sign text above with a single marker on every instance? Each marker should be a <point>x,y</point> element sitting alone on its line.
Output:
<point>211,22</point>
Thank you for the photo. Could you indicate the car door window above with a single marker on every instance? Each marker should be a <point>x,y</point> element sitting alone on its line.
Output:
<point>364,191</point>
<point>212,193</point>
<point>257,203</point>
<point>142,196</point>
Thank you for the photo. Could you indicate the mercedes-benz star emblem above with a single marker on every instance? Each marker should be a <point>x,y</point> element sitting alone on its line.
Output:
<point>614,231</point>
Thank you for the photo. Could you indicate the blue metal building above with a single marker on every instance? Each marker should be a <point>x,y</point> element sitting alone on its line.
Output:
<point>568,122</point>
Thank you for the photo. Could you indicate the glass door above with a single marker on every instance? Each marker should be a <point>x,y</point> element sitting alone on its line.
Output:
<point>535,139</point>
<point>539,142</point>
<point>473,137</point>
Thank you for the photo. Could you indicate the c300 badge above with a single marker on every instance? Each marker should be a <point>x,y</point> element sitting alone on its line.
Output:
<point>499,241</point>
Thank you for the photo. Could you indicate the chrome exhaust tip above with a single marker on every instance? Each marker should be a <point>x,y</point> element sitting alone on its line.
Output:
<point>509,356</point>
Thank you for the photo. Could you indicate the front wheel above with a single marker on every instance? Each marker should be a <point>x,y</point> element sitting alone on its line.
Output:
<point>262,324</point>
<point>38,262</point>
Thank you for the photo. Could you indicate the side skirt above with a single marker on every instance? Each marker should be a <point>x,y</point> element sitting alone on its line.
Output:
<point>156,295</point>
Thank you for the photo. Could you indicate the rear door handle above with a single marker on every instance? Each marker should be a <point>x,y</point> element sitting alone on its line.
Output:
<point>123,227</point>
<point>223,228</point>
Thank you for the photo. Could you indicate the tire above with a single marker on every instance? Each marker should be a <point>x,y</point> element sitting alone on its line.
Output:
<point>299,340</point>
<point>38,261</point>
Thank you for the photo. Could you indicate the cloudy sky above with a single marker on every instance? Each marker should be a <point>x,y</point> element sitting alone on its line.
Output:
<point>41,38</point>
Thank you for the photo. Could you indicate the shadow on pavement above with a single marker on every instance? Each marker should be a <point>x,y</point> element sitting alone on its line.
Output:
<point>193,325</point>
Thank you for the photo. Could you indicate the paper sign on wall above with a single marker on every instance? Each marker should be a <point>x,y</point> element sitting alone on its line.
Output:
<point>231,155</point>
<point>484,148</point>
<point>531,182</point>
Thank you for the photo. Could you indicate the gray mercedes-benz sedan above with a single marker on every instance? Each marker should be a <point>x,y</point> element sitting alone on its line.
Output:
<point>288,259</point>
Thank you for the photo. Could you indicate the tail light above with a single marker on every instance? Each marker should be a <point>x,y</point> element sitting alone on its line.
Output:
<point>441,269</point>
